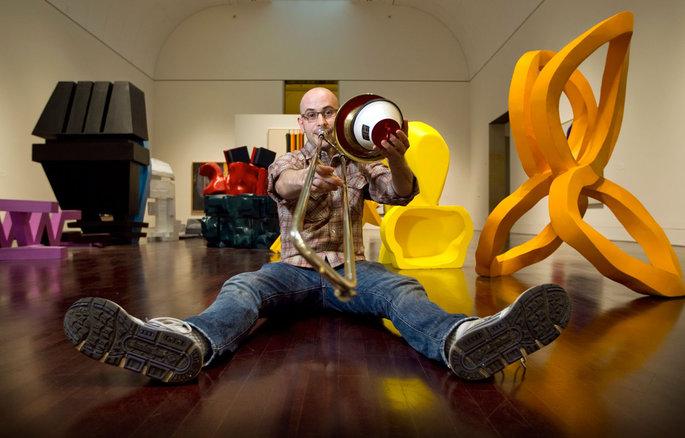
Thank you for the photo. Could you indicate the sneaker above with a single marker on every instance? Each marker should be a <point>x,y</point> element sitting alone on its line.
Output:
<point>165,349</point>
<point>479,348</point>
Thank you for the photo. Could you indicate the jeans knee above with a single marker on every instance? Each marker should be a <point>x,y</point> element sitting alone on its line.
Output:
<point>407,290</point>
<point>241,288</point>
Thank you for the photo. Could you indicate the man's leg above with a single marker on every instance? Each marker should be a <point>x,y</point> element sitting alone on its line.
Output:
<point>173,350</point>
<point>480,347</point>
<point>244,298</point>
<point>473,348</point>
<point>402,300</point>
<point>161,348</point>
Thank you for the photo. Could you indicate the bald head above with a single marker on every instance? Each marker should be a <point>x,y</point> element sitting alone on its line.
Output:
<point>318,98</point>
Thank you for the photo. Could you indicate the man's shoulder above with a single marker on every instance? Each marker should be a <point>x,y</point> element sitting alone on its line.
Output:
<point>289,157</point>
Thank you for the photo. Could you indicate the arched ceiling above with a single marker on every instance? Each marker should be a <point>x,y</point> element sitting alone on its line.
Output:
<point>137,29</point>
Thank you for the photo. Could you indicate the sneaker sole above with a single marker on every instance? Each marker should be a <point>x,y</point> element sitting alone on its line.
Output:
<point>535,319</point>
<point>103,331</point>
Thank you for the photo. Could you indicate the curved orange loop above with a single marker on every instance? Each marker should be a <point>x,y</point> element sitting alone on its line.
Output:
<point>579,93</point>
<point>499,223</point>
<point>571,170</point>
<point>612,101</point>
<point>554,76</point>
<point>584,107</point>
<point>496,231</point>
<point>661,276</point>
<point>525,73</point>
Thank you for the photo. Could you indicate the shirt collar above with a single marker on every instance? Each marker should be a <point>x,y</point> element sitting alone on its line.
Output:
<point>308,150</point>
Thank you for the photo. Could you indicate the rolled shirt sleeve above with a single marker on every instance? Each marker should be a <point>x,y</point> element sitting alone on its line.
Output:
<point>281,164</point>
<point>381,188</point>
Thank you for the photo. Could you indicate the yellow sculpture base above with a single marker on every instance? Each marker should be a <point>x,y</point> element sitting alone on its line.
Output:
<point>427,237</point>
<point>423,234</point>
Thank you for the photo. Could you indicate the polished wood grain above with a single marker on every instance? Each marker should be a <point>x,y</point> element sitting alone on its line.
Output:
<point>615,371</point>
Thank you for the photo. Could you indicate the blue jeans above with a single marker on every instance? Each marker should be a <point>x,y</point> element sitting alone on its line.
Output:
<point>277,287</point>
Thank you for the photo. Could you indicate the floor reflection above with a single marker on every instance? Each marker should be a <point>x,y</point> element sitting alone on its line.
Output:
<point>616,369</point>
<point>600,352</point>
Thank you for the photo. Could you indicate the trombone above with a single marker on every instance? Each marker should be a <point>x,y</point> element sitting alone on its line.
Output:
<point>359,127</point>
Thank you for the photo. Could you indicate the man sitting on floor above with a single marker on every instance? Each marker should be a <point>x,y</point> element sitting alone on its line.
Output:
<point>175,350</point>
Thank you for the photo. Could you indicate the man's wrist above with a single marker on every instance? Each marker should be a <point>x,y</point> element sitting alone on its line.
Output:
<point>398,163</point>
<point>400,166</point>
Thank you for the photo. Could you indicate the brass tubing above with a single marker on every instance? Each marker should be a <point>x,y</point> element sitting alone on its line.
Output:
<point>350,270</point>
<point>344,287</point>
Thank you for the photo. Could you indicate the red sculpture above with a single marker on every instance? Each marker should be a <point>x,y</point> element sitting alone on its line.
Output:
<point>244,177</point>
<point>217,181</point>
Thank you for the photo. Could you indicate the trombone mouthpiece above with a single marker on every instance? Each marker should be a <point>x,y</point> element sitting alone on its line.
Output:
<point>320,133</point>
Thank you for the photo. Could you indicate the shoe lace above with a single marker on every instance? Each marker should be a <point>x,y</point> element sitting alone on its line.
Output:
<point>171,324</point>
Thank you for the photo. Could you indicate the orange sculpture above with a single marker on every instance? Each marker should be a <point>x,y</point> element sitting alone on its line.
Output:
<point>571,170</point>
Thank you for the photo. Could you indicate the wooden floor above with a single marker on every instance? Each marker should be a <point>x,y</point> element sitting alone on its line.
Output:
<point>617,370</point>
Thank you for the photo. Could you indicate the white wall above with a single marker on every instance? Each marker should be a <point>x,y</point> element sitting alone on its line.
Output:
<point>311,40</point>
<point>194,121</point>
<point>649,155</point>
<point>40,46</point>
<point>253,130</point>
<point>214,67</point>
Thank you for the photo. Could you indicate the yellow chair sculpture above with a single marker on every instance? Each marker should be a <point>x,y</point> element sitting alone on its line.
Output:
<point>571,170</point>
<point>276,246</point>
<point>423,234</point>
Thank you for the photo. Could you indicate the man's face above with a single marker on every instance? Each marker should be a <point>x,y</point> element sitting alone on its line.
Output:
<point>317,112</point>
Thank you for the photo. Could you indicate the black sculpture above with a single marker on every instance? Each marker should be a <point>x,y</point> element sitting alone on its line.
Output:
<point>94,155</point>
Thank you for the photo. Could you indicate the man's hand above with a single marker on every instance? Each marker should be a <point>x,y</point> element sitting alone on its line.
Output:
<point>289,184</point>
<point>325,180</point>
<point>394,149</point>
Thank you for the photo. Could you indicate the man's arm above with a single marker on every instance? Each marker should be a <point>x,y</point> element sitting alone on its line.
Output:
<point>290,182</point>
<point>402,176</point>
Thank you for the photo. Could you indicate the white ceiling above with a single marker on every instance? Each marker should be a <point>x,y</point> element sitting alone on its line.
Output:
<point>137,29</point>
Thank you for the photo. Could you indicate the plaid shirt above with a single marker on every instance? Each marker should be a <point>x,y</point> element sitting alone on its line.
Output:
<point>323,222</point>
